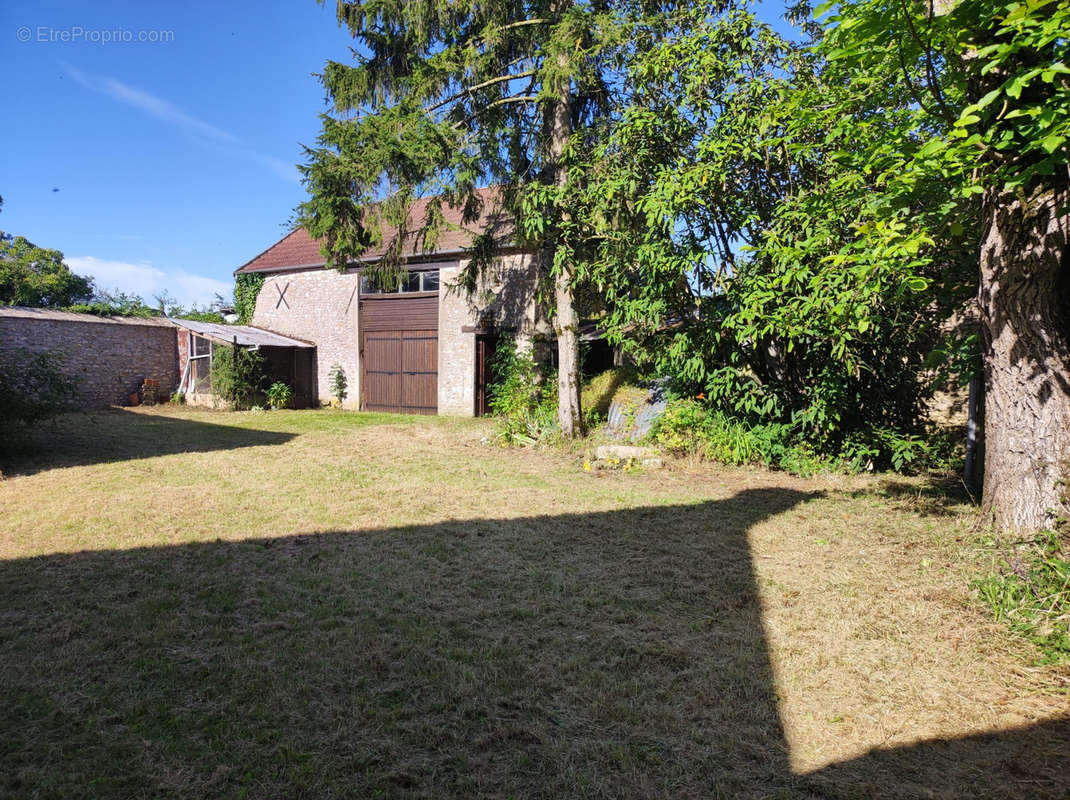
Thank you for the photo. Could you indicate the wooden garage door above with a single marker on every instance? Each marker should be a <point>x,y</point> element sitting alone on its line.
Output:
<point>401,371</point>
<point>399,350</point>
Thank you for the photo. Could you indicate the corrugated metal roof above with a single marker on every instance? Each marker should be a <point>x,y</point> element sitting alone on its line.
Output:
<point>246,335</point>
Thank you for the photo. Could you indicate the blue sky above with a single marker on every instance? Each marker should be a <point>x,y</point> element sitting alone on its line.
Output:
<point>173,157</point>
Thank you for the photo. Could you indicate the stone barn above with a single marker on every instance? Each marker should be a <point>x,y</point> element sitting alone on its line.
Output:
<point>422,348</point>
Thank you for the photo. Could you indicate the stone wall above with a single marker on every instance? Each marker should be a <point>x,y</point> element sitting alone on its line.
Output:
<point>505,300</point>
<point>110,356</point>
<point>318,306</point>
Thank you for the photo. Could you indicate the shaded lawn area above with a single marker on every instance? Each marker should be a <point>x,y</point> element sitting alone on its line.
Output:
<point>319,604</point>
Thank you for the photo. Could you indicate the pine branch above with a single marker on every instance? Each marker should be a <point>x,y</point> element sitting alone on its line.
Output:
<point>476,87</point>
<point>520,98</point>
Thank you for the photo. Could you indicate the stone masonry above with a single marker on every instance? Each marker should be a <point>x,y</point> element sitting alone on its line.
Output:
<point>506,300</point>
<point>319,306</point>
<point>110,356</point>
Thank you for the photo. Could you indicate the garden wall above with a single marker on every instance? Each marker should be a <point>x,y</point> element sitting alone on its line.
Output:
<point>110,356</point>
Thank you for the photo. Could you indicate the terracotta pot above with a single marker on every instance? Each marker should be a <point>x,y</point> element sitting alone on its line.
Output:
<point>133,399</point>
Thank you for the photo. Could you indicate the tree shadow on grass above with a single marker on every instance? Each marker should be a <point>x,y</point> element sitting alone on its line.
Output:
<point>937,496</point>
<point>612,654</point>
<point>116,435</point>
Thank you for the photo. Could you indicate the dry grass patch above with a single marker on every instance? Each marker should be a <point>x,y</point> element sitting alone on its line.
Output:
<point>329,604</point>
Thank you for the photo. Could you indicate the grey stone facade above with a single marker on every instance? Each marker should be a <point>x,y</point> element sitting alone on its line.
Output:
<point>318,306</point>
<point>110,356</point>
<point>321,306</point>
<point>505,300</point>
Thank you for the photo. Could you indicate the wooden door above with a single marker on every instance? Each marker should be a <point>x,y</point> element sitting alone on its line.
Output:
<point>401,371</point>
<point>486,345</point>
<point>399,353</point>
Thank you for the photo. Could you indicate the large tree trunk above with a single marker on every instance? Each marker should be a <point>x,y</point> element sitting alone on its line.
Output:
<point>1025,307</point>
<point>569,415</point>
<point>566,322</point>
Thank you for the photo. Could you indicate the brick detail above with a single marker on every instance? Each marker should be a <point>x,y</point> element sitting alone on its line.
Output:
<point>321,307</point>
<point>109,358</point>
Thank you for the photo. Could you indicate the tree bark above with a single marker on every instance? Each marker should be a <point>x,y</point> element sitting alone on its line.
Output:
<point>566,321</point>
<point>1025,306</point>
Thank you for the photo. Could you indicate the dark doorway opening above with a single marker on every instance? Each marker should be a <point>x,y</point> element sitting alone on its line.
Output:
<point>486,347</point>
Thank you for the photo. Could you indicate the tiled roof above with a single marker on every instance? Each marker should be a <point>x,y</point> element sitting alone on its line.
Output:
<point>297,249</point>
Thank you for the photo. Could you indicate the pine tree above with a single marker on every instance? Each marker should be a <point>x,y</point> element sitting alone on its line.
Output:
<point>445,97</point>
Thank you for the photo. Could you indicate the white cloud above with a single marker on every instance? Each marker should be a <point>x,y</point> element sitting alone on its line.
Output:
<point>148,281</point>
<point>164,109</point>
<point>168,112</point>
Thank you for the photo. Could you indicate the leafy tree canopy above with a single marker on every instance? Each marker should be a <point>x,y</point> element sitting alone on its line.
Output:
<point>719,224</point>
<point>35,276</point>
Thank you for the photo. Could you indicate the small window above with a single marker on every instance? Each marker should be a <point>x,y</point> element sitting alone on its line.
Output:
<point>409,282</point>
<point>430,280</point>
<point>200,379</point>
<point>201,347</point>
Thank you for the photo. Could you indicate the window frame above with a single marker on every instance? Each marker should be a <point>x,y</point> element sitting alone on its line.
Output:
<point>401,291</point>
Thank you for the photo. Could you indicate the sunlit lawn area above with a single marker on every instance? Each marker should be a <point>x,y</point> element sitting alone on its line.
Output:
<point>327,604</point>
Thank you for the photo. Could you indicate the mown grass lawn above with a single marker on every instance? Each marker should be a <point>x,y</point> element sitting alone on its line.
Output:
<point>325,604</point>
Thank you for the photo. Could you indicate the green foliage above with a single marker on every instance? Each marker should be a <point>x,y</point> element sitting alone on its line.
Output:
<point>247,286</point>
<point>989,83</point>
<point>756,291</point>
<point>280,395</point>
<point>121,304</point>
<point>114,304</point>
<point>169,306</point>
<point>468,105</point>
<point>177,398</point>
<point>35,276</point>
<point>598,393</point>
<point>33,387</point>
<point>1030,591</point>
<point>237,374</point>
<point>522,398</point>
<point>339,384</point>
<point>689,427</point>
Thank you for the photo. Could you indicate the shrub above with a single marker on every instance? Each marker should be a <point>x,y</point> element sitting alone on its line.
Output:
<point>237,374</point>
<point>279,395</point>
<point>523,400</point>
<point>339,384</point>
<point>690,427</point>
<point>679,430</point>
<point>33,387</point>
<point>114,304</point>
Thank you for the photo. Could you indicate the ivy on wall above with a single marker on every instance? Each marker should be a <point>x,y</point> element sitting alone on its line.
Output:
<point>247,286</point>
